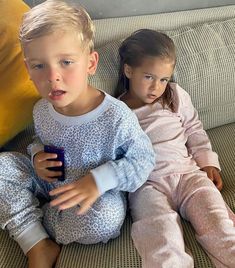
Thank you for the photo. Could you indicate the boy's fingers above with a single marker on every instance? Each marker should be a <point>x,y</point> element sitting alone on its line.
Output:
<point>77,200</point>
<point>61,189</point>
<point>86,205</point>
<point>64,198</point>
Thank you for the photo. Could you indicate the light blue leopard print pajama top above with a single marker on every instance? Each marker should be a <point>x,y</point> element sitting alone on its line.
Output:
<point>107,141</point>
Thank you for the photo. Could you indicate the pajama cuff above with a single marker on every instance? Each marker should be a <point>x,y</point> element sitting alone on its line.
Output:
<point>31,236</point>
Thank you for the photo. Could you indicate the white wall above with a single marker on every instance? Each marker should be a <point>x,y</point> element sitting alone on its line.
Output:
<point>121,8</point>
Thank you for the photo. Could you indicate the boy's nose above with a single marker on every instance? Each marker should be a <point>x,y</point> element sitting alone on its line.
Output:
<point>53,76</point>
<point>53,80</point>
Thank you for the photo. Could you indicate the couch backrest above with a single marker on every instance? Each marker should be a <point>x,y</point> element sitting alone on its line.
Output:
<point>205,41</point>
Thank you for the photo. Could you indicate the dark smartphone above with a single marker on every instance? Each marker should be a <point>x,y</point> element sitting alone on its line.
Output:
<point>60,157</point>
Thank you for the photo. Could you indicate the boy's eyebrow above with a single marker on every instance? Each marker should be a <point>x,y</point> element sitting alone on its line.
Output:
<point>68,55</point>
<point>60,55</point>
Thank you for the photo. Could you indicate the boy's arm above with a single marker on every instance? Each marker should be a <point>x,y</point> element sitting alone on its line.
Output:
<point>136,161</point>
<point>198,143</point>
<point>35,147</point>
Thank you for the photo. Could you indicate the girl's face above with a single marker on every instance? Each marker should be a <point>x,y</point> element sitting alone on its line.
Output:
<point>59,68</point>
<point>148,82</point>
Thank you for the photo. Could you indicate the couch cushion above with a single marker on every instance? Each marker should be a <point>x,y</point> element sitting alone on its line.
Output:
<point>120,252</point>
<point>205,68</point>
<point>18,94</point>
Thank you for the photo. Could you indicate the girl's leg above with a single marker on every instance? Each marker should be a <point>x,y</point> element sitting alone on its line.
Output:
<point>203,205</point>
<point>102,222</point>
<point>157,231</point>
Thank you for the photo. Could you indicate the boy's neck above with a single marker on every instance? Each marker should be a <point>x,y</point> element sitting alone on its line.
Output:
<point>93,99</point>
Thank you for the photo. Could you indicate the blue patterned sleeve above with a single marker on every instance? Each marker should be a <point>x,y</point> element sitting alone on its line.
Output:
<point>135,159</point>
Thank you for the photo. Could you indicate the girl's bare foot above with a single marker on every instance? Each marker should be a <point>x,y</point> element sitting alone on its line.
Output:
<point>44,254</point>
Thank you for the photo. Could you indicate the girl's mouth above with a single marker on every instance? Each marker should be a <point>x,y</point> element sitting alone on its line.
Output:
<point>152,96</point>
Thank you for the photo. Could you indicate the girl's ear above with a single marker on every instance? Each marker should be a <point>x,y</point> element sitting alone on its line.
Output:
<point>127,70</point>
<point>93,62</point>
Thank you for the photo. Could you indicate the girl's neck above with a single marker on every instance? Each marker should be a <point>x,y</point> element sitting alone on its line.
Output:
<point>131,102</point>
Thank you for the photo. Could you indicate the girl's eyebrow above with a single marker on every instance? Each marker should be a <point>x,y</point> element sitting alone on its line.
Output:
<point>154,76</point>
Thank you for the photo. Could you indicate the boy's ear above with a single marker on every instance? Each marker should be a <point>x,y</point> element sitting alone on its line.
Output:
<point>27,67</point>
<point>93,62</point>
<point>127,70</point>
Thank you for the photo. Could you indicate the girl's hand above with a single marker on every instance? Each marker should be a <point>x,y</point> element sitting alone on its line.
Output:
<point>213,174</point>
<point>41,162</point>
<point>82,192</point>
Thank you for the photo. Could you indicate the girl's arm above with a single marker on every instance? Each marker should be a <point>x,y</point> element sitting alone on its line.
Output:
<point>198,143</point>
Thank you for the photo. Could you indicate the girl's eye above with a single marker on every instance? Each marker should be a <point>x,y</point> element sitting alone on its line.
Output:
<point>164,81</point>
<point>148,77</point>
<point>66,62</point>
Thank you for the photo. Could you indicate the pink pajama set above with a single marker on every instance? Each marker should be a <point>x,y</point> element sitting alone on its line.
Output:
<point>176,187</point>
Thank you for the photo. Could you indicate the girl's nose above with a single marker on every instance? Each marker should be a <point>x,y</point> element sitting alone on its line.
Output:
<point>155,85</point>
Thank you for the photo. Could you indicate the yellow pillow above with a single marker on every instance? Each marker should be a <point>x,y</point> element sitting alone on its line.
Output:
<point>17,92</point>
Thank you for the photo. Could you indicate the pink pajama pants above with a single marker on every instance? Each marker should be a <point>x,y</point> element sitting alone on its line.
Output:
<point>157,231</point>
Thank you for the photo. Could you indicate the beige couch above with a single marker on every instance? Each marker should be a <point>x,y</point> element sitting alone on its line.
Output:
<point>205,41</point>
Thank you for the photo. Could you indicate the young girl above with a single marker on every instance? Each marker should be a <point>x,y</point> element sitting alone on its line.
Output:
<point>105,150</point>
<point>186,179</point>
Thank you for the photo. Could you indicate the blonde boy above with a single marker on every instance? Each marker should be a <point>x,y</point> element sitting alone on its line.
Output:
<point>105,150</point>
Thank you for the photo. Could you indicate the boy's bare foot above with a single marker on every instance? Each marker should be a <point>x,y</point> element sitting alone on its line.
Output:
<point>44,254</point>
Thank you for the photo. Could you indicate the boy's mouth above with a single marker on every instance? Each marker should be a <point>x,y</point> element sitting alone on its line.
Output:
<point>56,92</point>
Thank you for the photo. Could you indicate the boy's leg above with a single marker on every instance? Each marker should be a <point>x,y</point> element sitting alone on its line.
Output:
<point>157,231</point>
<point>19,212</point>
<point>102,222</point>
<point>204,207</point>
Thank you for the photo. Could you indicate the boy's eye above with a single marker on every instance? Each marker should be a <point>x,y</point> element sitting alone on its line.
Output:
<point>37,66</point>
<point>66,62</point>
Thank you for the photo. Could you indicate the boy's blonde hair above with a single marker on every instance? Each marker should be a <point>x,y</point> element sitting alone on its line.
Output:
<point>53,15</point>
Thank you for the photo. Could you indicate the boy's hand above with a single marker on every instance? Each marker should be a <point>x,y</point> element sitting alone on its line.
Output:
<point>83,192</point>
<point>41,163</point>
<point>213,174</point>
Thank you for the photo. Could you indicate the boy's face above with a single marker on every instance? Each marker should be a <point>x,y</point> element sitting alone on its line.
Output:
<point>59,68</point>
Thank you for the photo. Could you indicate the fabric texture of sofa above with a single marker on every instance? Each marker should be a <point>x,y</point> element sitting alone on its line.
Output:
<point>205,41</point>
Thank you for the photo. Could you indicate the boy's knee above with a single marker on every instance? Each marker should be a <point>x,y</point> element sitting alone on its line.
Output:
<point>14,160</point>
<point>113,208</point>
<point>102,222</point>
